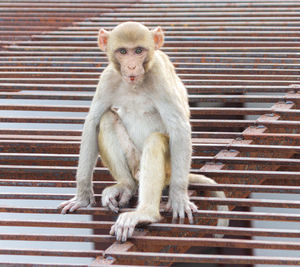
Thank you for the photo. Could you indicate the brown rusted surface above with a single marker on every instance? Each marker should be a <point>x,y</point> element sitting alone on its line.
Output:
<point>20,20</point>
<point>239,61</point>
<point>175,257</point>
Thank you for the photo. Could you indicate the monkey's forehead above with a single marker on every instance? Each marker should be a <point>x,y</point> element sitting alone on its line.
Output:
<point>130,25</point>
<point>131,35</point>
<point>130,31</point>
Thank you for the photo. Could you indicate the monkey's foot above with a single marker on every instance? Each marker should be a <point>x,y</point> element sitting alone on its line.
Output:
<point>76,203</point>
<point>124,226</point>
<point>116,196</point>
<point>179,205</point>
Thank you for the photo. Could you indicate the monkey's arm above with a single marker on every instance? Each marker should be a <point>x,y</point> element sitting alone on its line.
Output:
<point>179,131</point>
<point>88,154</point>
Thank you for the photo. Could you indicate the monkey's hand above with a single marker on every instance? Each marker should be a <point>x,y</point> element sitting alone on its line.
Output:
<point>180,204</point>
<point>124,226</point>
<point>77,202</point>
<point>116,196</point>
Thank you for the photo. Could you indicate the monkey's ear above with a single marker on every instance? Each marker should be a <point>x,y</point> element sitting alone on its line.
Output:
<point>158,37</point>
<point>102,39</point>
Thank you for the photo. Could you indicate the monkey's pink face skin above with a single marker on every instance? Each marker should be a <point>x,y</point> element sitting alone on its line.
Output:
<point>132,63</point>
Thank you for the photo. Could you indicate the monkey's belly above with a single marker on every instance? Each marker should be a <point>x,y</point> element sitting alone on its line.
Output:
<point>140,125</point>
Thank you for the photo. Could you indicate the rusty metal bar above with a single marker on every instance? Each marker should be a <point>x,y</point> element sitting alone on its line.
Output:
<point>194,111</point>
<point>192,98</point>
<point>209,200</point>
<point>199,213</point>
<point>170,257</point>
<point>42,265</point>
<point>71,159</point>
<point>172,228</point>
<point>102,184</point>
<point>7,87</point>
<point>71,147</point>
<point>57,135</point>
<point>56,253</point>
<point>219,80</point>
<point>140,240</point>
<point>63,172</point>
<point>194,122</point>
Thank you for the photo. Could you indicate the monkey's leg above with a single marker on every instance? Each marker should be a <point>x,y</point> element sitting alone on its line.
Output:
<point>114,158</point>
<point>152,179</point>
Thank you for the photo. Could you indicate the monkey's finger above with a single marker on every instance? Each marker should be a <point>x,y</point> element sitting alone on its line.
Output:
<point>67,208</point>
<point>63,204</point>
<point>113,201</point>
<point>92,202</point>
<point>118,228</point>
<point>125,233</point>
<point>189,214</point>
<point>175,216</point>
<point>193,207</point>
<point>181,216</point>
<point>112,230</point>
<point>130,231</point>
<point>75,206</point>
<point>124,199</point>
<point>118,232</point>
<point>129,226</point>
<point>112,207</point>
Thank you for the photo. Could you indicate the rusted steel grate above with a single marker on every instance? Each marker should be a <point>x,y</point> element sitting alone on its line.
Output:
<point>237,59</point>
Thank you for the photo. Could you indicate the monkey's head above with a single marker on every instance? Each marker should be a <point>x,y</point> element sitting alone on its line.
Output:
<point>130,47</point>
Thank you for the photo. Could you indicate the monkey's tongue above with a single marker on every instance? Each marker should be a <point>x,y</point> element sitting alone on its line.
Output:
<point>132,78</point>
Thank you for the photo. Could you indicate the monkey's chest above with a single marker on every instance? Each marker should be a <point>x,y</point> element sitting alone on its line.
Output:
<point>139,117</point>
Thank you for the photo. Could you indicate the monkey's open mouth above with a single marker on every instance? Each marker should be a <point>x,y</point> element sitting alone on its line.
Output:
<point>131,79</point>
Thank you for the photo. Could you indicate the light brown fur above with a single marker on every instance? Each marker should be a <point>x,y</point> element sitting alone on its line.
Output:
<point>144,138</point>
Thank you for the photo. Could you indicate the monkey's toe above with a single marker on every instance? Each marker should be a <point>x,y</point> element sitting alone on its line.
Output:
<point>124,226</point>
<point>180,207</point>
<point>116,196</point>
<point>113,205</point>
<point>127,221</point>
<point>74,204</point>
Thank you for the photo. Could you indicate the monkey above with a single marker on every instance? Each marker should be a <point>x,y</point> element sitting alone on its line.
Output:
<point>139,123</point>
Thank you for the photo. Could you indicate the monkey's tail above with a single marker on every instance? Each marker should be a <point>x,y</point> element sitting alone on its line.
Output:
<point>202,179</point>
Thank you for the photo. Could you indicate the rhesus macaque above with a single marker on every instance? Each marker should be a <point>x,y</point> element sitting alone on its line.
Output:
<point>139,123</point>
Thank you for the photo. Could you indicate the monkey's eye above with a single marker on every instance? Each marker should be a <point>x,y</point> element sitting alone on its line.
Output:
<point>139,50</point>
<point>123,51</point>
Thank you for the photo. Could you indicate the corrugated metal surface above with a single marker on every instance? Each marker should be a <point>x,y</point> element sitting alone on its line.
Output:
<point>237,60</point>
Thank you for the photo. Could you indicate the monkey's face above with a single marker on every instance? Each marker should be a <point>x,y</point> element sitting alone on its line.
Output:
<point>130,48</point>
<point>131,62</point>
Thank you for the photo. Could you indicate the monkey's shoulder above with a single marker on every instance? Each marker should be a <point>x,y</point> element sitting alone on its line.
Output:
<point>109,78</point>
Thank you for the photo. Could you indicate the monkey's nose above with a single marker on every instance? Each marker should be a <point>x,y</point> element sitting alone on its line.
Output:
<point>131,67</point>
